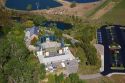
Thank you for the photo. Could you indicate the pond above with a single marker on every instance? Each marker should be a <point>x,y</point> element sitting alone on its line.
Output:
<point>32,4</point>
<point>60,25</point>
<point>38,4</point>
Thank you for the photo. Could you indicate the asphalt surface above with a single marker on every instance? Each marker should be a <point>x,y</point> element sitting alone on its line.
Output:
<point>106,41</point>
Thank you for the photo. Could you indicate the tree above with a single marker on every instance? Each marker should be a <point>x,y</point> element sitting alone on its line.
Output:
<point>51,78</point>
<point>59,78</point>
<point>33,41</point>
<point>38,20</point>
<point>5,17</point>
<point>5,53</point>
<point>73,4</point>
<point>58,33</point>
<point>2,78</point>
<point>90,55</point>
<point>42,71</point>
<point>75,78</point>
<point>16,64</point>
<point>28,24</point>
<point>67,80</point>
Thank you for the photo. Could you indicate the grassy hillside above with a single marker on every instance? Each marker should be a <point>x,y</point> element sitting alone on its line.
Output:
<point>116,15</point>
<point>102,5</point>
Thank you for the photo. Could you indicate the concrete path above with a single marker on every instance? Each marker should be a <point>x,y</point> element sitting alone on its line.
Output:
<point>70,37</point>
<point>65,35</point>
<point>91,76</point>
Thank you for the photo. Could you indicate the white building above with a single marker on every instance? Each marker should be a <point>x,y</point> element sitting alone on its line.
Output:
<point>51,51</point>
<point>31,33</point>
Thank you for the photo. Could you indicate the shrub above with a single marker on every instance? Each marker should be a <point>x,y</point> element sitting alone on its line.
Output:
<point>73,5</point>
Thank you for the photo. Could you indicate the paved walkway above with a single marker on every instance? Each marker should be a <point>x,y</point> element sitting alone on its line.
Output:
<point>65,35</point>
<point>91,76</point>
<point>70,37</point>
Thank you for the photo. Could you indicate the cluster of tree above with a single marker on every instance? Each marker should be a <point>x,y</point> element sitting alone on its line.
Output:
<point>73,78</point>
<point>17,64</point>
<point>4,17</point>
<point>28,24</point>
<point>90,53</point>
<point>34,21</point>
<point>58,33</point>
<point>38,20</point>
<point>87,34</point>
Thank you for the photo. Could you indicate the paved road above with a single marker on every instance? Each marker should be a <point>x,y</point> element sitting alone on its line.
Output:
<point>91,76</point>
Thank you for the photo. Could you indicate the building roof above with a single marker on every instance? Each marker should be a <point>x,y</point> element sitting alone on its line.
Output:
<point>50,45</point>
<point>33,30</point>
<point>67,56</point>
<point>51,38</point>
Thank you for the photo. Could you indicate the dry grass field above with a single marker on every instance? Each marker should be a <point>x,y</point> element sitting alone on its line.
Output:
<point>116,15</point>
<point>112,79</point>
<point>80,10</point>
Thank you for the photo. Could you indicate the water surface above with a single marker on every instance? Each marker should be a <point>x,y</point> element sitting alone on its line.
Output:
<point>58,24</point>
<point>36,4</point>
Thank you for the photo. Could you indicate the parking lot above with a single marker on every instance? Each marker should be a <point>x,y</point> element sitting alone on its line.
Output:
<point>69,66</point>
<point>108,36</point>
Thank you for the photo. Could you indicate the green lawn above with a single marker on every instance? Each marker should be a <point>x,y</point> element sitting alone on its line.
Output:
<point>102,5</point>
<point>116,15</point>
